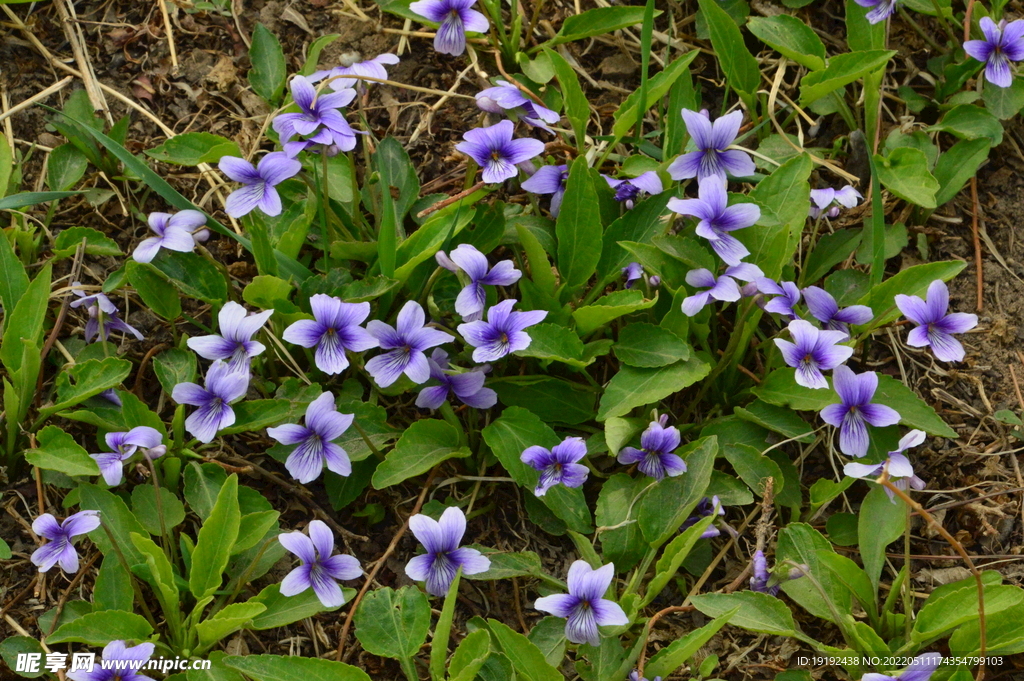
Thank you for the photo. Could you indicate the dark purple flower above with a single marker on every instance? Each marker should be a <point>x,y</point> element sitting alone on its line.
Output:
<point>766,582</point>
<point>259,181</point>
<point>111,396</point>
<point>855,410</point>
<point>333,330</point>
<point>223,386</point>
<point>1003,43</point>
<point>724,288</point>
<point>921,669</point>
<point>633,273</point>
<point>936,328</point>
<point>656,458</point>
<point>234,344</point>
<point>712,158</point>
<point>557,465</point>
<point>822,199</point>
<point>103,315</point>
<point>60,549</point>
<point>124,446</point>
<point>351,66</point>
<point>549,180</point>
<point>629,191</point>
<point>787,294</point>
<point>502,333</point>
<point>131,659</point>
<point>406,341</point>
<point>319,569</point>
<point>706,507</point>
<point>173,232</point>
<point>507,99</point>
<point>468,386</point>
<point>813,351</point>
<point>455,18</point>
<point>496,152</point>
<point>315,447</point>
<point>880,9</point>
<point>825,309</point>
<point>584,607</point>
<point>901,473</point>
<point>441,539</point>
<point>717,219</point>
<point>472,298</point>
<point>319,123</point>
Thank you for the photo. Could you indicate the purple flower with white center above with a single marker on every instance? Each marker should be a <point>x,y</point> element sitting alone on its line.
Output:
<point>444,557</point>
<point>787,294</point>
<point>549,180</point>
<point>223,386</point>
<point>351,66</point>
<point>724,288</point>
<point>847,197</point>
<point>496,152</point>
<point>706,507</point>
<point>320,121</point>
<point>315,441</point>
<point>124,446</point>
<point>656,458</point>
<point>825,309</point>
<point>717,219</point>
<point>60,549</point>
<point>471,300</point>
<point>120,662</point>
<point>502,333</point>
<point>584,607</point>
<point>635,676</point>
<point>103,316</point>
<point>467,386</point>
<point>558,465</point>
<point>173,232</point>
<point>813,351</point>
<point>259,181</point>
<point>767,582</point>
<point>630,190</point>
<point>234,343</point>
<point>455,17</point>
<point>713,158</point>
<point>936,328</point>
<point>1003,43</point>
<point>319,569</point>
<point>921,669</point>
<point>880,9</point>
<point>855,410</point>
<point>333,330</point>
<point>633,272</point>
<point>406,341</point>
<point>901,473</point>
<point>506,98</point>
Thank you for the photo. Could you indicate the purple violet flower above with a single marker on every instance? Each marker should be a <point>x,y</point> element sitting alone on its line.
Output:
<point>502,333</point>
<point>441,539</point>
<point>320,121</point>
<point>557,465</point>
<point>103,315</point>
<point>724,288</point>
<point>223,386</point>
<point>821,199</point>
<point>549,180</point>
<point>635,676</point>
<point>712,158</point>
<point>333,330</point>
<point>584,607</point>
<point>496,152</point>
<point>234,343</point>
<point>350,65</point>
<point>173,232</point>
<point>259,181</point>
<point>921,669</point>
<point>455,18</point>
<point>765,581</point>
<point>467,386</point>
<point>131,659</point>
<point>472,298</point>
<point>706,507</point>
<point>315,441</point>
<point>936,328</point>
<point>1003,43</point>
<point>825,309</point>
<point>319,569</point>
<point>901,473</point>
<point>406,341</point>
<point>630,190</point>
<point>124,446</point>
<point>506,98</point>
<point>880,9</point>
<point>813,351</point>
<point>787,294</point>
<point>717,219</point>
<point>60,549</point>
<point>656,458</point>
<point>633,272</point>
<point>855,410</point>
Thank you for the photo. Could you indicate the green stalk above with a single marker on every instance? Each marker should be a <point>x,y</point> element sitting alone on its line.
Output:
<point>877,227</point>
<point>645,60</point>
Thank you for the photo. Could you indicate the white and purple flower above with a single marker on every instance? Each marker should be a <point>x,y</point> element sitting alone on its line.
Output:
<point>813,351</point>
<point>319,569</point>
<point>936,327</point>
<point>406,343</point>
<point>631,190</point>
<point>333,330</point>
<point>316,448</point>
<point>921,669</point>
<point>352,66</point>
<point>455,17</point>
<point>468,386</point>
<point>855,410</point>
<point>656,458</point>
<point>880,9</point>
<point>123,446</point>
<point>223,386</point>
<point>1003,43</point>
<point>717,218</point>
<point>319,122</point>
<point>467,258</point>
<point>496,152</point>
<point>787,295</point>
<point>103,315</point>
<point>829,201</point>
<point>549,180</point>
<point>260,182</point>
<point>585,608</point>
<point>505,98</point>
<point>825,309</point>
<point>901,473</point>
<point>234,344</point>
<point>173,232</point>
<point>60,549</point>
<point>558,465</point>
<point>441,538</point>
<point>713,158</point>
<point>503,332</point>
<point>723,288</point>
<point>120,662</point>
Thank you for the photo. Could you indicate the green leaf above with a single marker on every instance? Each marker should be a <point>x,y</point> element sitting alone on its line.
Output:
<point>800,543</point>
<point>100,628</point>
<point>1003,102</point>
<point>527,659</point>
<point>23,335</point>
<point>13,280</point>
<point>253,527</point>
<point>193,275</point>
<point>443,629</point>
<point>830,250</point>
<point>539,69</point>
<point>640,225</point>
<point>754,468</point>
<point>66,167</point>
<point>969,121</point>
<point>626,115</point>
<point>269,70</point>
<point>88,379</point>
<point>842,70</point>
<point>6,164</point>
<point>58,451</point>
<point>598,22</point>
<point>506,564</point>
<point>117,518</point>
<point>393,161</point>
<point>284,610</point>
<point>674,655</point>
<point>148,513</point>
<point>160,576</point>
<point>786,193</point>
<point>578,227</point>
<point>669,503</point>
<point>880,522</point>
<point>905,173</point>
<point>393,623</point>
<point>590,318</point>
<point>647,346</point>
<point>740,67</point>
<point>96,243</point>
<point>294,668</point>
<point>957,165</point>
<point>193,148</point>
<point>673,556</point>
<point>26,199</point>
<point>174,366</point>
<point>914,412</point>
<point>254,415</point>
<point>557,343</point>
<point>216,538</point>
<point>616,508</point>
<point>227,621</point>
<point>1003,636</point>
<point>470,656</point>
<point>777,420</point>
<point>14,646</point>
<point>313,54</point>
<point>790,37</point>
<point>577,107</point>
<point>634,387</point>
<point>757,611</point>
<point>942,614</point>
<point>913,281</point>
<point>422,446</point>
<point>552,399</point>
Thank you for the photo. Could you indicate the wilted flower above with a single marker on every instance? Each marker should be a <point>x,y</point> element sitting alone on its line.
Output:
<point>549,180</point>
<point>787,294</point>
<point>921,669</point>
<point>455,18</point>
<point>821,199</point>
<point>319,569</point>
<point>173,232</point>
<point>717,219</point>
<point>584,607</point>
<point>936,327</point>
<point>813,351</point>
<point>656,457</point>
<point>502,333</point>
<point>496,152</point>
<point>260,182</point>
<point>350,65</point>
<point>223,386</point>
<point>466,257</point>
<point>855,410</point>
<point>234,343</point>
<point>508,99</point>
<point>557,465</point>
<point>1003,43</point>
<point>712,158</point>
<point>315,441</point>
<point>706,507</point>
<point>406,341</point>
<point>120,662</point>
<point>467,386</point>
<point>441,539</point>
<point>768,582</point>
<point>901,473</point>
<point>103,315</point>
<point>333,330</point>
<point>320,121</point>
<point>880,9</point>
<point>825,309</point>
<point>124,446</point>
<point>60,549</point>
<point>633,273</point>
<point>629,190</point>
